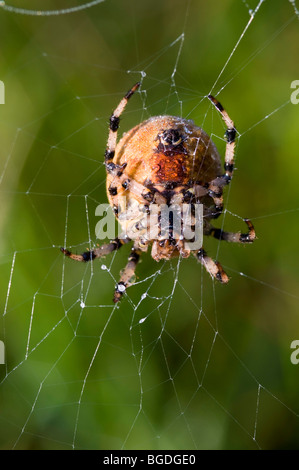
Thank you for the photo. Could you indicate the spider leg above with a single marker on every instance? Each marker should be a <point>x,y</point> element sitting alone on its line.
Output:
<point>99,252</point>
<point>127,275</point>
<point>215,192</point>
<point>113,128</point>
<point>215,187</point>
<point>144,194</point>
<point>214,268</point>
<point>230,136</point>
<point>121,178</point>
<point>233,237</point>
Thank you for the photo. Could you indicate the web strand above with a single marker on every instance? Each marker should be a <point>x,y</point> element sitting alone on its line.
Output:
<point>62,11</point>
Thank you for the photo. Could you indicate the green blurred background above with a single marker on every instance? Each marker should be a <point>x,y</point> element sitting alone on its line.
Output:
<point>210,366</point>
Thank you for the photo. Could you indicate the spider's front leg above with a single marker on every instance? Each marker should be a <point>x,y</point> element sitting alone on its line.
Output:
<point>113,128</point>
<point>215,187</point>
<point>230,136</point>
<point>121,179</point>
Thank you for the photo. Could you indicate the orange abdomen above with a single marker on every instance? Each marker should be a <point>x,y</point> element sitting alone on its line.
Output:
<point>167,169</point>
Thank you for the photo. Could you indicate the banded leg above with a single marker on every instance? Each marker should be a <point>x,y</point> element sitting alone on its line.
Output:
<point>230,136</point>
<point>215,187</point>
<point>214,268</point>
<point>113,128</point>
<point>233,237</point>
<point>127,275</point>
<point>99,252</point>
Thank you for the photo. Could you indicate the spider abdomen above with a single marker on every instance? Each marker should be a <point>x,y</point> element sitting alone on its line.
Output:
<point>167,169</point>
<point>165,151</point>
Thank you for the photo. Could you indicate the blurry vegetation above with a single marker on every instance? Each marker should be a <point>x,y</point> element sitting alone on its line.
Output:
<point>63,76</point>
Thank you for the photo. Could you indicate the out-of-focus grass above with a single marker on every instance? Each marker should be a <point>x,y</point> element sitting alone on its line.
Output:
<point>63,75</point>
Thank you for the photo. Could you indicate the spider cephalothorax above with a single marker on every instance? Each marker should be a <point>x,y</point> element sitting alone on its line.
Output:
<point>171,142</point>
<point>165,161</point>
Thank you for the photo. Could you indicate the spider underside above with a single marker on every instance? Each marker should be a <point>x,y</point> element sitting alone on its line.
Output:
<point>165,160</point>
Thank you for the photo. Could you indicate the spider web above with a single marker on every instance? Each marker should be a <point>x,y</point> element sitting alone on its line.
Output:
<point>182,362</point>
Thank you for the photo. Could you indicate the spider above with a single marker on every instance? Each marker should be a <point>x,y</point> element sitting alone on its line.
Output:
<point>163,160</point>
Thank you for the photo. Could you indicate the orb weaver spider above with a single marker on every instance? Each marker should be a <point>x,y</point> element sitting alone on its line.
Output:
<point>162,160</point>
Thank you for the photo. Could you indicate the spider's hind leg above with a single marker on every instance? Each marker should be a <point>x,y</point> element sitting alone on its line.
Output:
<point>214,268</point>
<point>233,237</point>
<point>98,252</point>
<point>127,275</point>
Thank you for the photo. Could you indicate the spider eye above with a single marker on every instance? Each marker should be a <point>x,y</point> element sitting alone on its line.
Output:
<point>171,137</point>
